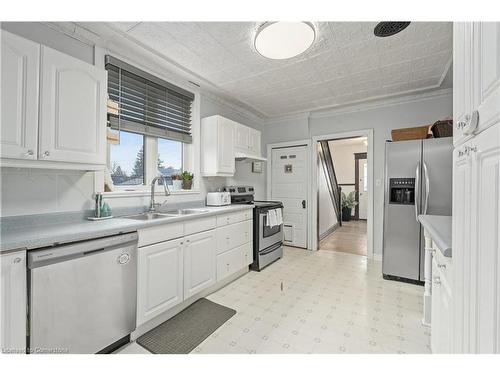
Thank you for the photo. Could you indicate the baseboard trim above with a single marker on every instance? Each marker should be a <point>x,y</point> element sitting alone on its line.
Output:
<point>329,231</point>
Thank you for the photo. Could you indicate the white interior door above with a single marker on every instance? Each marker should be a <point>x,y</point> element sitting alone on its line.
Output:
<point>289,181</point>
<point>363,188</point>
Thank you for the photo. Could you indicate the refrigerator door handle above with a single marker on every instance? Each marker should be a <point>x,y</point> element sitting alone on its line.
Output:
<point>417,193</point>
<point>427,188</point>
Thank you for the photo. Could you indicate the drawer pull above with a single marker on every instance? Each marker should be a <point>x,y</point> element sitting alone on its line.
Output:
<point>442,266</point>
<point>437,281</point>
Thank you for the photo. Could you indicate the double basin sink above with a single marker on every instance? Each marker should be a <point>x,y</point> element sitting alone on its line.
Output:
<point>162,215</point>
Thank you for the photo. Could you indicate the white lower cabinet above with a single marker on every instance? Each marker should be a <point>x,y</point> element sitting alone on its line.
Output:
<point>160,279</point>
<point>199,262</point>
<point>13,294</point>
<point>442,315</point>
<point>179,260</point>
<point>233,260</point>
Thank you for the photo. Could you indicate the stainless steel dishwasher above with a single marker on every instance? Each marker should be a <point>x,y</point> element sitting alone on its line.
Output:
<point>82,296</point>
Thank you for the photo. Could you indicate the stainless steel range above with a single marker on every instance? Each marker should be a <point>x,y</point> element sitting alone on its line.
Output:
<point>267,234</point>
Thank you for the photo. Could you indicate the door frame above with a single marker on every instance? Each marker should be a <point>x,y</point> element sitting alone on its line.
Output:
<point>307,144</point>
<point>368,133</point>
<point>357,157</point>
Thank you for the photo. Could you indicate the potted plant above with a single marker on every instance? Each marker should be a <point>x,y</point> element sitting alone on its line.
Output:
<point>176,182</point>
<point>348,203</point>
<point>187,180</point>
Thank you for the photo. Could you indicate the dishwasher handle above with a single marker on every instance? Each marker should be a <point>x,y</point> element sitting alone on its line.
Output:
<point>44,257</point>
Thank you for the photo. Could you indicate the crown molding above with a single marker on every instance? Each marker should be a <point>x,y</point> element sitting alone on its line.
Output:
<point>381,103</point>
<point>231,105</point>
<point>296,116</point>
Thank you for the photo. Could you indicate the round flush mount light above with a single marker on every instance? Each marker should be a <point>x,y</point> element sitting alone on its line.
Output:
<point>283,40</point>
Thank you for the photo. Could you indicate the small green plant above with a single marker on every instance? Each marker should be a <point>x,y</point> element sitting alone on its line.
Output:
<point>349,200</point>
<point>187,176</point>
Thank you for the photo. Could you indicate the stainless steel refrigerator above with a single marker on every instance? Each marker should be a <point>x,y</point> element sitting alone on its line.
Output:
<point>418,180</point>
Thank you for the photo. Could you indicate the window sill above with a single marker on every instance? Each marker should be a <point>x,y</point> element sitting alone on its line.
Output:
<point>144,193</point>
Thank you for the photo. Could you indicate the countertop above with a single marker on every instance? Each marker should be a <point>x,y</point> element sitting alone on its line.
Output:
<point>35,233</point>
<point>439,228</point>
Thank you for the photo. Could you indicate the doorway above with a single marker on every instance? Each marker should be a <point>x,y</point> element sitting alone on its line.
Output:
<point>343,195</point>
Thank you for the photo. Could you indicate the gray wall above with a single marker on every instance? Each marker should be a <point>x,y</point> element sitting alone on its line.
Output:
<point>382,120</point>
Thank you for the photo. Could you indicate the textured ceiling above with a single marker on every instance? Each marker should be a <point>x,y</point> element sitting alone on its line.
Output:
<point>346,64</point>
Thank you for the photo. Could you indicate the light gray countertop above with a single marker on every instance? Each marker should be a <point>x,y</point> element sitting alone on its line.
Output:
<point>32,233</point>
<point>439,228</point>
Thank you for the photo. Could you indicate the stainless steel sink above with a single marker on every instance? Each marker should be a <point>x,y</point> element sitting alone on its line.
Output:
<point>188,211</point>
<point>148,216</point>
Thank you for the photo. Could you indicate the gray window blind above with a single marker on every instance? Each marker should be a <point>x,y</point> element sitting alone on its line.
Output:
<point>147,104</point>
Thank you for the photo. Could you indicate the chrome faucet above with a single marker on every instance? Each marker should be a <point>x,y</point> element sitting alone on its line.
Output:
<point>153,205</point>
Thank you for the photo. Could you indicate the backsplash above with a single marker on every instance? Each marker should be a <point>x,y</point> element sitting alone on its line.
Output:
<point>43,191</point>
<point>39,191</point>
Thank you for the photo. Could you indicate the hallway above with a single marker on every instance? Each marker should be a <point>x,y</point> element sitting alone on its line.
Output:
<point>349,238</point>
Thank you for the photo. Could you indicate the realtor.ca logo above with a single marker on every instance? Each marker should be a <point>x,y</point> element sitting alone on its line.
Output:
<point>35,350</point>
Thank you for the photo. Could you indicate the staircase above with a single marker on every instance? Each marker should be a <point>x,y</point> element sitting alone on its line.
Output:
<point>325,158</point>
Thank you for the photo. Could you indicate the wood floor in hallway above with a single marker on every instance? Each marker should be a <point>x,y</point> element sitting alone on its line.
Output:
<point>349,238</point>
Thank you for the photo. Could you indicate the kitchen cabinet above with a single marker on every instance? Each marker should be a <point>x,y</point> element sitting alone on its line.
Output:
<point>476,78</point>
<point>241,137</point>
<point>199,262</point>
<point>486,73</point>
<point>179,260</point>
<point>234,235</point>
<point>246,140</point>
<point>13,294</point>
<point>159,279</point>
<point>462,79</point>
<point>217,147</point>
<point>442,315</point>
<point>476,187</point>
<point>19,97</point>
<point>476,247</point>
<point>72,110</point>
<point>54,108</point>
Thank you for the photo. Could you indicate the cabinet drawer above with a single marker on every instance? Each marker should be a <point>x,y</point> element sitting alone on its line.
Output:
<point>160,233</point>
<point>200,225</point>
<point>234,235</point>
<point>230,262</point>
<point>234,217</point>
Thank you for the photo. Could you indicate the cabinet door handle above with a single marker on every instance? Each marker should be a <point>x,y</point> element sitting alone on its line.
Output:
<point>442,266</point>
<point>29,153</point>
<point>17,260</point>
<point>46,153</point>
<point>437,281</point>
<point>187,240</point>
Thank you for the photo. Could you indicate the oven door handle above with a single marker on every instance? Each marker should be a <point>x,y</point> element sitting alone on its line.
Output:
<point>271,249</point>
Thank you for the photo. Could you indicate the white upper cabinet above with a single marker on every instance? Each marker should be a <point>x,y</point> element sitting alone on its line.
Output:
<point>486,63</point>
<point>241,137</point>
<point>19,97</point>
<point>72,110</point>
<point>462,79</point>
<point>217,146</point>
<point>246,140</point>
<point>476,78</point>
<point>254,140</point>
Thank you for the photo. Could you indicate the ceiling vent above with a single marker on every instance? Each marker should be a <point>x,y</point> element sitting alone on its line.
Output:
<point>384,29</point>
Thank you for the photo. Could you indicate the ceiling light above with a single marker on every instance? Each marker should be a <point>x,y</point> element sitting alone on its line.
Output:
<point>283,40</point>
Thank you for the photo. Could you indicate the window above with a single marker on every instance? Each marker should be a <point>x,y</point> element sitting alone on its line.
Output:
<point>127,160</point>
<point>153,119</point>
<point>169,158</point>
